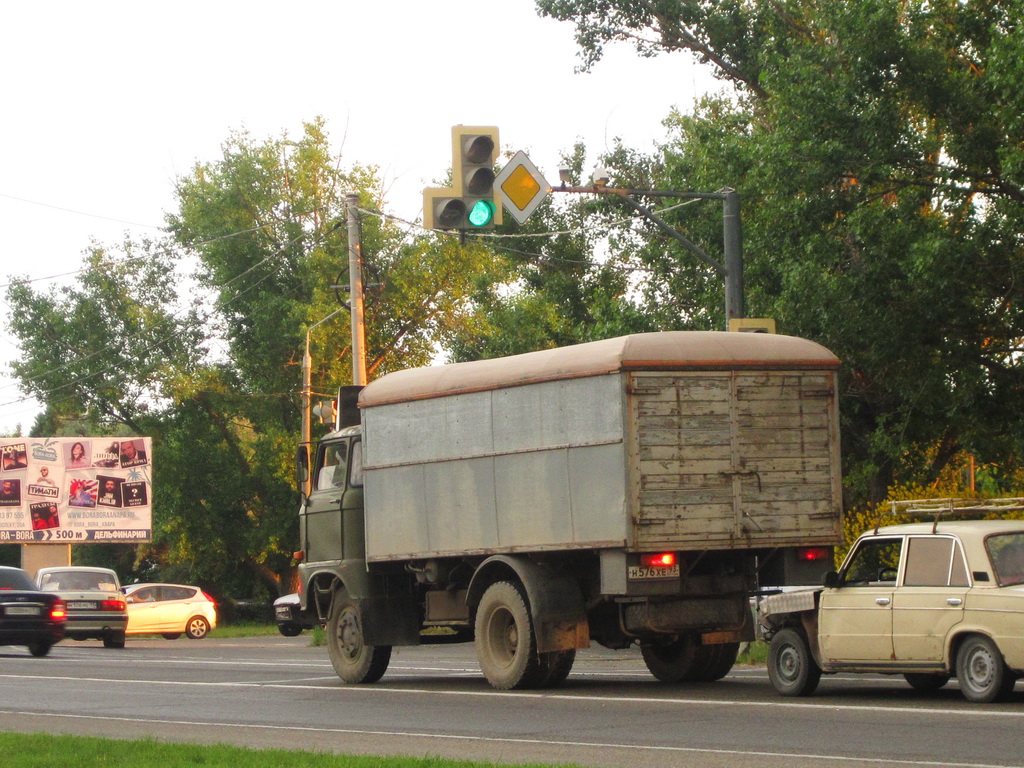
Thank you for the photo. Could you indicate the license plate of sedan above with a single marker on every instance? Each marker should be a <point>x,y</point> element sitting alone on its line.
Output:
<point>22,610</point>
<point>653,571</point>
<point>79,605</point>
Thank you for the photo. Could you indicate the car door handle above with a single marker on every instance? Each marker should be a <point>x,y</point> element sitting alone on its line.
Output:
<point>882,601</point>
<point>954,601</point>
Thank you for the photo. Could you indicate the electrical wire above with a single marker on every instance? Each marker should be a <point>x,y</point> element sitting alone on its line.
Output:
<point>221,305</point>
<point>218,307</point>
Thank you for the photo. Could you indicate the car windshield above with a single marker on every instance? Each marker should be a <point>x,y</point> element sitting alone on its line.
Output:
<point>1007,553</point>
<point>78,581</point>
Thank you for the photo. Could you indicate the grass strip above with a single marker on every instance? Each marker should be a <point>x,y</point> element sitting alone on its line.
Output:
<point>21,750</point>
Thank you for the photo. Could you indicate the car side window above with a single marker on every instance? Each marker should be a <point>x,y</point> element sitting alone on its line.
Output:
<point>331,464</point>
<point>1007,553</point>
<point>176,593</point>
<point>875,562</point>
<point>934,561</point>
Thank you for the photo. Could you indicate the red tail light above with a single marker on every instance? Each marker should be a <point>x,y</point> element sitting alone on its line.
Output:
<point>58,611</point>
<point>658,560</point>
<point>813,554</point>
<point>113,605</point>
<point>208,597</point>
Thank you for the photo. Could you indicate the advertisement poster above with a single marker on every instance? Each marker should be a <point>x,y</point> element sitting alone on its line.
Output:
<point>75,489</point>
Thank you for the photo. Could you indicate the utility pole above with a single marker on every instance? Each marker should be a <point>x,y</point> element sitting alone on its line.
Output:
<point>731,269</point>
<point>355,284</point>
<point>355,306</point>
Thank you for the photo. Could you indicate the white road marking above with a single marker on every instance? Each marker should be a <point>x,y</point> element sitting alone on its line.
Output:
<point>513,741</point>
<point>886,709</point>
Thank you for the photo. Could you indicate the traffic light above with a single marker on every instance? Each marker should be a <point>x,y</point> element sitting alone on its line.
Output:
<point>326,411</point>
<point>469,204</point>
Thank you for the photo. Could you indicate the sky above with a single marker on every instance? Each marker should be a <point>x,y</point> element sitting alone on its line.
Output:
<point>107,103</point>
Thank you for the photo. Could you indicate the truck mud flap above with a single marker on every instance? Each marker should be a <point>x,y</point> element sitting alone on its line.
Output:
<point>389,620</point>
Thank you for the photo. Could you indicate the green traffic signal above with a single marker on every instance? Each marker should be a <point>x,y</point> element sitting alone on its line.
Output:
<point>481,214</point>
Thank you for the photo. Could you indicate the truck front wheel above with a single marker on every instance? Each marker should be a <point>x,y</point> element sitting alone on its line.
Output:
<point>353,660</point>
<point>505,643</point>
<point>791,667</point>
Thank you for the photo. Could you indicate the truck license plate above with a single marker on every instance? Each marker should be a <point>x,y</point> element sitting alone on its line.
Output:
<point>653,572</point>
<point>22,610</point>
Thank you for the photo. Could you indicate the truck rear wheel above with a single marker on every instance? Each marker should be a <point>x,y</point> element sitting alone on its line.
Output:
<point>791,668</point>
<point>353,660</point>
<point>555,667</point>
<point>505,642</point>
<point>719,662</point>
<point>672,662</point>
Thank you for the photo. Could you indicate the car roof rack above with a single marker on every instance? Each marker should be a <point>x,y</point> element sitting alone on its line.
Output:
<point>938,508</point>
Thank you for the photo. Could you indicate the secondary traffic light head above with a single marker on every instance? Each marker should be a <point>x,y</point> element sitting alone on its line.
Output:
<point>469,204</point>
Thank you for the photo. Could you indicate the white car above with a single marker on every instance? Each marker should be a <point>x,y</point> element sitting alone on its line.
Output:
<point>170,610</point>
<point>95,603</point>
<point>929,601</point>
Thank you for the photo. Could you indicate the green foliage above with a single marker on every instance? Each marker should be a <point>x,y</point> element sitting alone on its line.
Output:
<point>216,382</point>
<point>104,350</point>
<point>961,478</point>
<point>877,150</point>
<point>551,288</point>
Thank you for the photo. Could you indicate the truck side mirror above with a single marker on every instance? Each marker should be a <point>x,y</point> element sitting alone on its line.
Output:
<point>301,468</point>
<point>831,580</point>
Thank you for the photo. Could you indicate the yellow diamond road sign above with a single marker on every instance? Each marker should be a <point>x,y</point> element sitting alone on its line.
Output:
<point>521,187</point>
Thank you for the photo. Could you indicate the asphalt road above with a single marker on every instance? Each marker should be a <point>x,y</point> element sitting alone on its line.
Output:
<point>280,692</point>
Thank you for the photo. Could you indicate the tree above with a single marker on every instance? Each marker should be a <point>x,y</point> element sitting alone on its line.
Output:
<point>877,149</point>
<point>108,346</point>
<point>268,225</point>
<point>216,382</point>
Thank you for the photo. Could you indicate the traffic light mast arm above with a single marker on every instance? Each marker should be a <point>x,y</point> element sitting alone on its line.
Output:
<point>732,268</point>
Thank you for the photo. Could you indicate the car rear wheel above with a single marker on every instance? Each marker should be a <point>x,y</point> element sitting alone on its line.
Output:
<point>981,671</point>
<point>171,635</point>
<point>197,628</point>
<point>791,667</point>
<point>39,649</point>
<point>114,640</point>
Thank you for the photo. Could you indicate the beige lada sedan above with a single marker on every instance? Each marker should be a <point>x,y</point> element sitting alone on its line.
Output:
<point>929,601</point>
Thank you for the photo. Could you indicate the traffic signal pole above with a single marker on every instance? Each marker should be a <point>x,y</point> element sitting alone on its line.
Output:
<point>731,268</point>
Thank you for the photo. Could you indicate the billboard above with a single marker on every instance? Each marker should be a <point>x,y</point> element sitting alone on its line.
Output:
<point>75,490</point>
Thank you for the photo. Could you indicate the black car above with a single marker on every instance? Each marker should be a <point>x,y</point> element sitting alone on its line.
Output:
<point>27,615</point>
<point>290,620</point>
